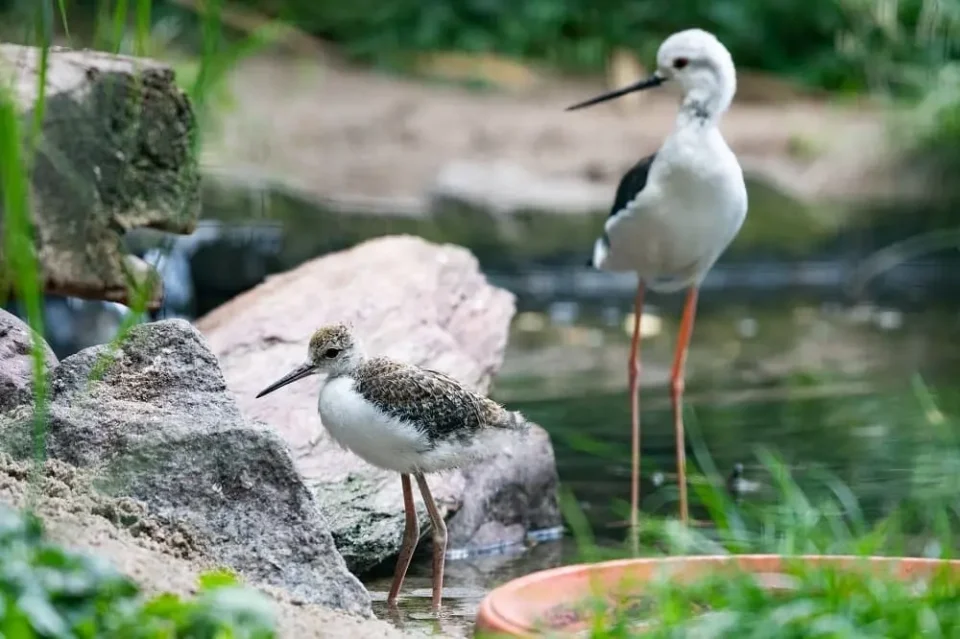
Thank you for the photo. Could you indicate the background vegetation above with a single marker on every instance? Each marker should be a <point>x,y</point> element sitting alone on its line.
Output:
<point>835,44</point>
<point>845,45</point>
<point>908,49</point>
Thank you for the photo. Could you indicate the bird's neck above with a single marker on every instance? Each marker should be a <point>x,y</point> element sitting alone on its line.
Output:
<point>346,368</point>
<point>701,109</point>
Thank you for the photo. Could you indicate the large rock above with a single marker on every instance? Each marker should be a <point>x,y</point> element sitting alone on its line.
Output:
<point>16,361</point>
<point>409,299</point>
<point>155,422</point>
<point>116,153</point>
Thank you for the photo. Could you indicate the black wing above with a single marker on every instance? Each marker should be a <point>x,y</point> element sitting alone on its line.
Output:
<point>631,183</point>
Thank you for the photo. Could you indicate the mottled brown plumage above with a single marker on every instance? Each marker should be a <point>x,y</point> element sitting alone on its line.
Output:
<point>436,402</point>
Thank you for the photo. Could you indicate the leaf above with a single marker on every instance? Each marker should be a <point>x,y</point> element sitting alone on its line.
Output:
<point>165,606</point>
<point>237,607</point>
<point>42,615</point>
<point>219,578</point>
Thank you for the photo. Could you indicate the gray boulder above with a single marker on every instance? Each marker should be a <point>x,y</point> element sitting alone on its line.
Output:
<point>154,419</point>
<point>16,361</point>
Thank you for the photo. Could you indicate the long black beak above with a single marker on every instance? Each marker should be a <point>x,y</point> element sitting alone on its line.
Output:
<point>654,80</point>
<point>304,370</point>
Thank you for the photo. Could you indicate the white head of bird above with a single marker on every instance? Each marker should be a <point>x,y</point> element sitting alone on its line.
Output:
<point>334,350</point>
<point>699,63</point>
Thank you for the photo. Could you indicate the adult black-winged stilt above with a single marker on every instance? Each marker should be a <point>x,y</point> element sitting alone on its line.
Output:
<point>404,418</point>
<point>676,211</point>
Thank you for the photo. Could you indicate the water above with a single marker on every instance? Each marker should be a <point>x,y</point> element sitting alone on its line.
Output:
<point>824,383</point>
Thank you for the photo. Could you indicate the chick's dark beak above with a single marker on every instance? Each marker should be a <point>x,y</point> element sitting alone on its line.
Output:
<point>304,370</point>
<point>654,80</point>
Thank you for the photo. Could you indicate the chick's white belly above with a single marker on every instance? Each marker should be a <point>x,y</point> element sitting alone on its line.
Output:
<point>361,428</point>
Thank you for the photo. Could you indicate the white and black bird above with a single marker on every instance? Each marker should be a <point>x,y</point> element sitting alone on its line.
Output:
<point>738,485</point>
<point>676,211</point>
<point>403,418</point>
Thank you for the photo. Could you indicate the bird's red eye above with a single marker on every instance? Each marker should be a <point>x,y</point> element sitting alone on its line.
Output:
<point>679,63</point>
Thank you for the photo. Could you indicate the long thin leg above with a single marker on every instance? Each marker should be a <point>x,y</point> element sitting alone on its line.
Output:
<point>411,533</point>
<point>676,393</point>
<point>439,539</point>
<point>633,370</point>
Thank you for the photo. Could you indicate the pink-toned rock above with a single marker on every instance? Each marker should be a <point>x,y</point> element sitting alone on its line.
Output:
<point>409,299</point>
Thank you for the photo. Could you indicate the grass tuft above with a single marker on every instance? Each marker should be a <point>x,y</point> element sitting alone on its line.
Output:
<point>805,599</point>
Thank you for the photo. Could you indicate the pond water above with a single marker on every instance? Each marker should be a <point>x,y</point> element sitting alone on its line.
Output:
<point>821,382</point>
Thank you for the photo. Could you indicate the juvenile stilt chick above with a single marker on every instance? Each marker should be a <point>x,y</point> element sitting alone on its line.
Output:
<point>403,418</point>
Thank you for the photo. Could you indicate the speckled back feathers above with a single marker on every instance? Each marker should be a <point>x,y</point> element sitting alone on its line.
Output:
<point>439,404</point>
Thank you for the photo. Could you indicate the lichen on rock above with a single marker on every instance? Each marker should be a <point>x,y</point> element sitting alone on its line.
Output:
<point>115,152</point>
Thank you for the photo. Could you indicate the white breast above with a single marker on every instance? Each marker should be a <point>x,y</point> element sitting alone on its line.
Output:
<point>691,209</point>
<point>361,428</point>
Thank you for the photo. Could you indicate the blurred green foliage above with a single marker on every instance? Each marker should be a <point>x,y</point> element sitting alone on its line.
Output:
<point>46,591</point>
<point>835,44</point>
<point>847,45</point>
<point>935,121</point>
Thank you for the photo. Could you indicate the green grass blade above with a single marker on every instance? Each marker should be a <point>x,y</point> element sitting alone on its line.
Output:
<point>118,25</point>
<point>143,27</point>
<point>21,261</point>
<point>62,6</point>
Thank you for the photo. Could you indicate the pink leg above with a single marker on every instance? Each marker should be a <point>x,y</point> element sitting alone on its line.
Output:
<point>411,533</point>
<point>439,540</point>
<point>676,394</point>
<point>634,374</point>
